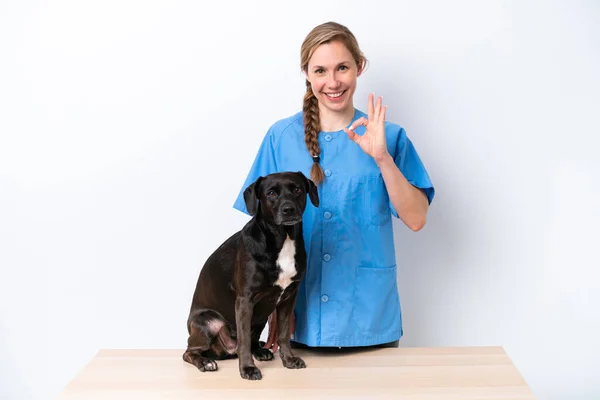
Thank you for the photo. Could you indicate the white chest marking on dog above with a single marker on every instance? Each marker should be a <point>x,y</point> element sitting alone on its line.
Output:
<point>287,263</point>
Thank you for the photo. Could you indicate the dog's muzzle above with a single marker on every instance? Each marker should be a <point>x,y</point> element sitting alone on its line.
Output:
<point>289,214</point>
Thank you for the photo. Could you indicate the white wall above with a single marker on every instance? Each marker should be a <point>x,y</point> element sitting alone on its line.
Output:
<point>118,122</point>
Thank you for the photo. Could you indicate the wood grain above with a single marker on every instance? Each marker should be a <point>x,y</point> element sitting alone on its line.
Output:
<point>447,373</point>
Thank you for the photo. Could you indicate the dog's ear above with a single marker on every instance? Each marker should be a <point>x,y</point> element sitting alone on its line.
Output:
<point>251,196</point>
<point>311,189</point>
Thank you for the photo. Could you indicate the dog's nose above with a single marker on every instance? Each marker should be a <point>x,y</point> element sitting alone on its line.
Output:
<point>287,209</point>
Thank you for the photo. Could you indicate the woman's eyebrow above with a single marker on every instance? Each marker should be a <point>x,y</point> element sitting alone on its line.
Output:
<point>340,63</point>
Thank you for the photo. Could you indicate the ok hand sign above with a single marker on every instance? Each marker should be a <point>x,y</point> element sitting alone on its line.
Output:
<point>373,141</point>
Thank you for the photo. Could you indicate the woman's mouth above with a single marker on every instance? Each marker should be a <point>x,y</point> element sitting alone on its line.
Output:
<point>336,96</point>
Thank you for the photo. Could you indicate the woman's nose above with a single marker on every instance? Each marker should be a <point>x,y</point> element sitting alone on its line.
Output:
<point>333,81</point>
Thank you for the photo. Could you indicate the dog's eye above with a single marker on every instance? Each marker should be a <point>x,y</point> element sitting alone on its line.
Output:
<point>271,193</point>
<point>297,190</point>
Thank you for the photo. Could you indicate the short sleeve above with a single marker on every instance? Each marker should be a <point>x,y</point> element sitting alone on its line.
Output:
<point>264,164</point>
<point>408,161</point>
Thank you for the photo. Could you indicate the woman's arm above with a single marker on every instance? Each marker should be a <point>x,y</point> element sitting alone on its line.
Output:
<point>410,202</point>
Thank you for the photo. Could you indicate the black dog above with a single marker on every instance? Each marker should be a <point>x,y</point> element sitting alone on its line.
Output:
<point>254,272</point>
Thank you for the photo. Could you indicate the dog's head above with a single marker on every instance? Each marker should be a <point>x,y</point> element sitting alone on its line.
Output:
<point>281,197</point>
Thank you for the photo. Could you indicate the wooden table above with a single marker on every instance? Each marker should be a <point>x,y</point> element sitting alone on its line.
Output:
<point>393,373</point>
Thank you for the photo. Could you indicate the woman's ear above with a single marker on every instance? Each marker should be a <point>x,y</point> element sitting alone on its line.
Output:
<point>360,67</point>
<point>305,73</point>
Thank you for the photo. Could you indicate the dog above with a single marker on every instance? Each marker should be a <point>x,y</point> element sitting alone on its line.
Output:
<point>254,272</point>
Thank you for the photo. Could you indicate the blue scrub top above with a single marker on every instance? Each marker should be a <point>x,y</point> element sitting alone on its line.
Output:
<point>349,296</point>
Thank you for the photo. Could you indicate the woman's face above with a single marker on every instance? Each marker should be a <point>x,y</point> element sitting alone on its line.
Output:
<point>332,73</point>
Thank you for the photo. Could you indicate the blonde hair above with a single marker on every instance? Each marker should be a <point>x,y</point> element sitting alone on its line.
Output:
<point>321,34</point>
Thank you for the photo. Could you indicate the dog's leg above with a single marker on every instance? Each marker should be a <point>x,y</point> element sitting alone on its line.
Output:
<point>243,317</point>
<point>284,314</point>
<point>206,326</point>
<point>260,353</point>
<point>197,346</point>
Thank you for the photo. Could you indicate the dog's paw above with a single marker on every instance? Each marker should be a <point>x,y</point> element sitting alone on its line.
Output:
<point>251,373</point>
<point>262,354</point>
<point>207,365</point>
<point>293,362</point>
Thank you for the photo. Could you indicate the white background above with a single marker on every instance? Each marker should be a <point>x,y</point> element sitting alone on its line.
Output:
<point>128,127</point>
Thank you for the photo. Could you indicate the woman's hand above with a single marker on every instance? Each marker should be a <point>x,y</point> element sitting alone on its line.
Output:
<point>373,141</point>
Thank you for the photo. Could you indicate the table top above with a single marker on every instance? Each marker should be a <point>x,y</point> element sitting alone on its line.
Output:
<point>447,373</point>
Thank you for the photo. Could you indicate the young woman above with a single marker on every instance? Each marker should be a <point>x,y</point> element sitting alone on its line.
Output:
<point>366,170</point>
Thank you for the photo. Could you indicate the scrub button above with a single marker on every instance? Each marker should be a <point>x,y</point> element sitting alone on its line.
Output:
<point>324,298</point>
<point>326,257</point>
<point>327,214</point>
<point>328,137</point>
<point>327,172</point>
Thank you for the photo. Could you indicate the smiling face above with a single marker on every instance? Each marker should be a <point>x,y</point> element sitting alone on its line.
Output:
<point>332,73</point>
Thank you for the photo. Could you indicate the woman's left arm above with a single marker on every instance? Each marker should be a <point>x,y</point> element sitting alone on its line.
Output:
<point>410,202</point>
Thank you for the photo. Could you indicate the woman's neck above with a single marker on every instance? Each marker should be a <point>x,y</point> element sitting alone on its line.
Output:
<point>332,121</point>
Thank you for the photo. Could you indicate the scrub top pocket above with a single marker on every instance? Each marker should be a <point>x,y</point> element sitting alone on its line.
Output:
<point>376,304</point>
<point>370,201</point>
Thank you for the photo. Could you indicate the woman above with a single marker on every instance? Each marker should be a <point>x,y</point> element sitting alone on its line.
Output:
<point>366,170</point>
